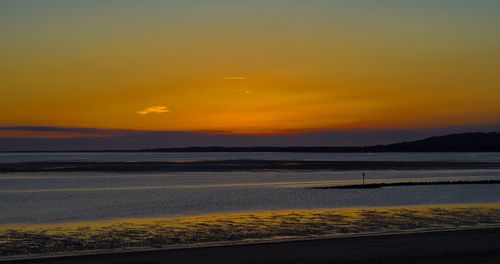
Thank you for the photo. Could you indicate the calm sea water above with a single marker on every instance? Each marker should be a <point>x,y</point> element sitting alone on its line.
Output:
<point>155,156</point>
<point>78,196</point>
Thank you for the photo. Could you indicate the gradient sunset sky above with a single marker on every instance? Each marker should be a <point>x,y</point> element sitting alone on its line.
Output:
<point>248,67</point>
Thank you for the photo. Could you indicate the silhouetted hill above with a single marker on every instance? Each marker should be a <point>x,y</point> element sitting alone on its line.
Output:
<point>466,142</point>
<point>455,142</point>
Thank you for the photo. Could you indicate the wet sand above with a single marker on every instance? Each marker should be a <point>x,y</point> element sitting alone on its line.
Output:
<point>174,232</point>
<point>444,247</point>
<point>241,165</point>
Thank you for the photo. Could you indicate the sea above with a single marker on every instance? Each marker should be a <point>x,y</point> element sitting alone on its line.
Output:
<point>54,197</point>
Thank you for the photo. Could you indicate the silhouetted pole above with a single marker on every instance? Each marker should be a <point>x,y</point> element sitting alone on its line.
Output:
<point>363,178</point>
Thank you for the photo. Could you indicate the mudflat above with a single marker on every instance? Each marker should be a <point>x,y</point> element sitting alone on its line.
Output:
<point>402,184</point>
<point>458,246</point>
<point>151,234</point>
<point>241,165</point>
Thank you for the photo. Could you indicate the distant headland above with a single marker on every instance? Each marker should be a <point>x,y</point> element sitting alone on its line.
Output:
<point>464,142</point>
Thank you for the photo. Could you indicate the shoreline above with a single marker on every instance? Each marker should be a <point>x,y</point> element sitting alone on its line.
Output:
<point>159,254</point>
<point>225,244</point>
<point>241,165</point>
<point>151,234</point>
<point>403,184</point>
<point>492,205</point>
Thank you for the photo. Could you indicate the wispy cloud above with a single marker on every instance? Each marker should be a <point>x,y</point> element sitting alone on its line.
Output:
<point>54,132</point>
<point>51,129</point>
<point>154,110</point>
<point>233,78</point>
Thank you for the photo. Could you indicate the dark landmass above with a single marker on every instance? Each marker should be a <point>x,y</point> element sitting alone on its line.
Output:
<point>240,165</point>
<point>465,142</point>
<point>445,247</point>
<point>397,184</point>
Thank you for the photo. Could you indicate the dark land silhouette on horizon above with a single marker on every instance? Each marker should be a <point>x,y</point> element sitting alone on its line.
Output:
<point>463,142</point>
<point>480,142</point>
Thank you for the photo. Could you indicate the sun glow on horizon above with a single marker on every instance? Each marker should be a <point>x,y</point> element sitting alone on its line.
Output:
<point>249,67</point>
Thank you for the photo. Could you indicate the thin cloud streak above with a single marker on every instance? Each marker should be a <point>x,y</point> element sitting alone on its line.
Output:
<point>154,110</point>
<point>234,78</point>
<point>42,132</point>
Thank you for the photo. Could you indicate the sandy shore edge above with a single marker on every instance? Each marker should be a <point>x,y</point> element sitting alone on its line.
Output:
<point>240,243</point>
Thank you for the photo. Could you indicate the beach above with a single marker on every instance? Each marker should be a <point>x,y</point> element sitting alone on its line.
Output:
<point>285,211</point>
<point>227,229</point>
<point>443,247</point>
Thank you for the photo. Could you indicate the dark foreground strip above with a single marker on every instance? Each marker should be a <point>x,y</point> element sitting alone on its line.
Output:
<point>397,184</point>
<point>240,165</point>
<point>445,247</point>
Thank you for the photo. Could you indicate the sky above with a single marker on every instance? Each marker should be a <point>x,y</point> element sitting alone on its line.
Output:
<point>252,69</point>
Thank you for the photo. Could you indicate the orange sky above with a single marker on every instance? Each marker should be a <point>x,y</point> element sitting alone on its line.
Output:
<point>250,68</point>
